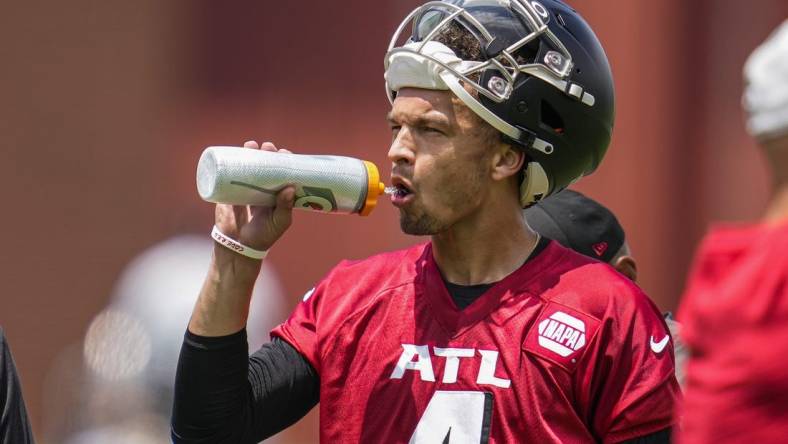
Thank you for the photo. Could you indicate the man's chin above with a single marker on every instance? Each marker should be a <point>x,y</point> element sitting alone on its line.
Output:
<point>417,226</point>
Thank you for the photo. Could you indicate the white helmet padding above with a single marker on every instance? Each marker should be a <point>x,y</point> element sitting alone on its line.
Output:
<point>411,69</point>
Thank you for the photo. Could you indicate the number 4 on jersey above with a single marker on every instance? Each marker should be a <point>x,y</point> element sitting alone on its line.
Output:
<point>455,417</point>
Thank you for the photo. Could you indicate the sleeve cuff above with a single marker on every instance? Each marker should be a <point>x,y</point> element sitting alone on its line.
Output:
<point>216,342</point>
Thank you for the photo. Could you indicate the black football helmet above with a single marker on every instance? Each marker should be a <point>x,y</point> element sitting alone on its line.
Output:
<point>542,79</point>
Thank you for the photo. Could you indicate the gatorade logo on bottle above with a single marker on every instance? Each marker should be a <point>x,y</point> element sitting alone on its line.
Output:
<point>317,199</point>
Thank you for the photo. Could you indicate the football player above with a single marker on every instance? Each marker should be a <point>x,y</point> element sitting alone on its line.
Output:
<point>486,333</point>
<point>735,306</point>
<point>14,422</point>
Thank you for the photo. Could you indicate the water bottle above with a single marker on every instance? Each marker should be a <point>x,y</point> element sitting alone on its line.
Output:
<point>331,184</point>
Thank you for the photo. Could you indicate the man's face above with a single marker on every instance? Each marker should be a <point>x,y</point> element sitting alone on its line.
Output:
<point>441,160</point>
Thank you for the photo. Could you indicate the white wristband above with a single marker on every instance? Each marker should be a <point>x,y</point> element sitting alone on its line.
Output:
<point>236,246</point>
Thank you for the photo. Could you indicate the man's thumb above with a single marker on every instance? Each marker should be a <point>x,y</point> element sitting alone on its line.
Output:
<point>284,207</point>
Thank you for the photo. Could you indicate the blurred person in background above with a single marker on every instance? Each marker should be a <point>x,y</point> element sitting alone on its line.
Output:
<point>735,308</point>
<point>14,423</point>
<point>588,227</point>
<point>130,348</point>
<point>487,333</point>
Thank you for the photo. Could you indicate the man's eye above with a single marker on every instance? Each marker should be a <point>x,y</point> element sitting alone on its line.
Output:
<point>395,128</point>
<point>429,129</point>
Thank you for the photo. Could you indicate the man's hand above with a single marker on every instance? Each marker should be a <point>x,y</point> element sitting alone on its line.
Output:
<point>257,227</point>
<point>223,305</point>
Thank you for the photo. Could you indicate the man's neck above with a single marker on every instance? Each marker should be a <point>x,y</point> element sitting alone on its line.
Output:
<point>776,151</point>
<point>777,210</point>
<point>484,250</point>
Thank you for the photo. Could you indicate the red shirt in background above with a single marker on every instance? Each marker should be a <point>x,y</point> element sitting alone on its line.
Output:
<point>735,322</point>
<point>563,350</point>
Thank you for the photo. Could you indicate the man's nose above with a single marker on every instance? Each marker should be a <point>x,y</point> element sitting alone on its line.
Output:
<point>401,150</point>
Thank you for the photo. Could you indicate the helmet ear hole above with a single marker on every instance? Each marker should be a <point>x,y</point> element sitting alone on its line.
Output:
<point>550,118</point>
<point>528,53</point>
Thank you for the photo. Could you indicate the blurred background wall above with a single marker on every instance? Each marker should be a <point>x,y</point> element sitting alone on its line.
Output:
<point>106,106</point>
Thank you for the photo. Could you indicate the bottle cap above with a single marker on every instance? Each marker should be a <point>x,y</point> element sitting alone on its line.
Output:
<point>374,188</point>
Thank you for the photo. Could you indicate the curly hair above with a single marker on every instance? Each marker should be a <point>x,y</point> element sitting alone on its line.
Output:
<point>464,44</point>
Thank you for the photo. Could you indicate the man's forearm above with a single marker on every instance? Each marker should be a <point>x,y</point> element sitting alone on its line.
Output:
<point>224,396</point>
<point>211,389</point>
<point>223,305</point>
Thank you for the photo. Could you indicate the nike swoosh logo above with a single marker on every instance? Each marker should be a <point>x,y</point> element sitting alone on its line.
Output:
<point>657,347</point>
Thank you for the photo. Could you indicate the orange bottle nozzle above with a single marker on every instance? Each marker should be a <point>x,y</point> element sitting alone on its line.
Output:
<point>374,188</point>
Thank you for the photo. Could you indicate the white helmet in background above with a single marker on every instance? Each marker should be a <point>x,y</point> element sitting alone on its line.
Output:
<point>131,348</point>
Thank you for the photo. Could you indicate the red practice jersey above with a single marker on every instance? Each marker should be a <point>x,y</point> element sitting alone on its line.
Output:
<point>563,350</point>
<point>735,322</point>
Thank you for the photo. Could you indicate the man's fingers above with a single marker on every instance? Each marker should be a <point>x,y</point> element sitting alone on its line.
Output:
<point>268,146</point>
<point>286,198</point>
<point>283,213</point>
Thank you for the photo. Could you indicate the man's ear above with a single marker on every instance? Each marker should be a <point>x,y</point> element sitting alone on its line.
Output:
<point>507,162</point>
<point>627,266</point>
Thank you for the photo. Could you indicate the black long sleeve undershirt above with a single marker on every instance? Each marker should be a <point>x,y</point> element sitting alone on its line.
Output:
<point>14,423</point>
<point>223,395</point>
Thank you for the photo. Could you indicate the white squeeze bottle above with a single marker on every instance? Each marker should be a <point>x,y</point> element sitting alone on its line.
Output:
<point>331,184</point>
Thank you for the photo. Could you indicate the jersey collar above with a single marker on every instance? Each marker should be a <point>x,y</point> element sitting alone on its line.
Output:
<point>520,283</point>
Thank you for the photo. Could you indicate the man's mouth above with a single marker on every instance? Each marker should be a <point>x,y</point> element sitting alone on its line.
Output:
<point>399,192</point>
